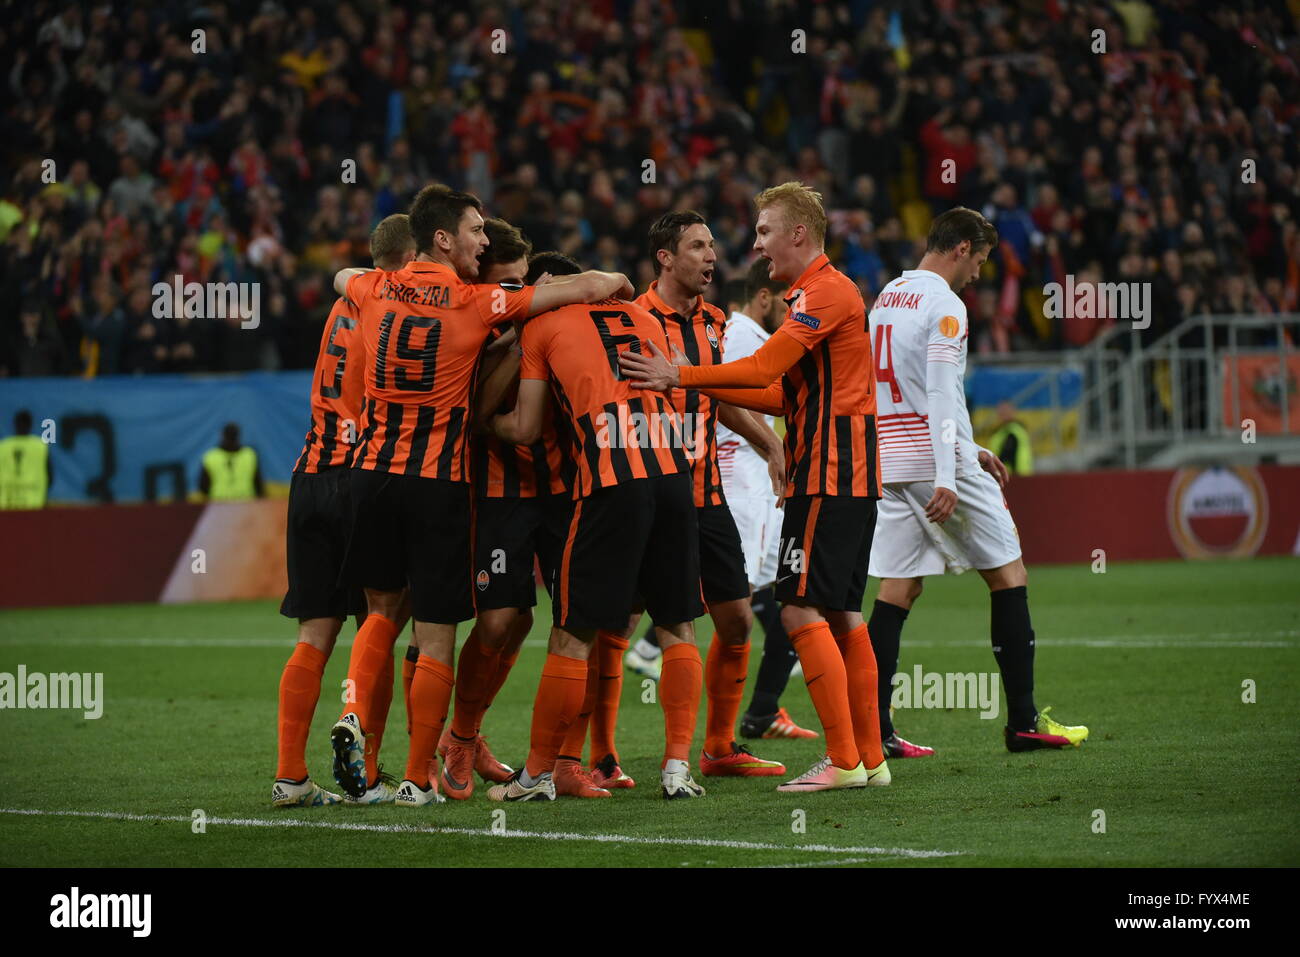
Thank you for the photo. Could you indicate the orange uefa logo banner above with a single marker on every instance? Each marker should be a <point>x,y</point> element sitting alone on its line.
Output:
<point>1263,388</point>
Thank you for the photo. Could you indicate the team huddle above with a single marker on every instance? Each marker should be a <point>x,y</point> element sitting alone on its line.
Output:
<point>483,415</point>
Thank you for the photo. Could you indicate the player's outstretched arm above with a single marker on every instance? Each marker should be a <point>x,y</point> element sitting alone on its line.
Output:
<point>342,277</point>
<point>757,371</point>
<point>522,425</point>
<point>769,401</point>
<point>590,286</point>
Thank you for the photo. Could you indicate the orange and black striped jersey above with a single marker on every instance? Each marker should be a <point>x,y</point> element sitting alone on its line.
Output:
<point>502,470</point>
<point>830,397</point>
<point>699,336</point>
<point>337,391</point>
<point>616,433</point>
<point>424,330</point>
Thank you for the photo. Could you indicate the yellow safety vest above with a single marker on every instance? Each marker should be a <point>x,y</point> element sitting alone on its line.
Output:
<point>24,473</point>
<point>231,473</point>
<point>1024,461</point>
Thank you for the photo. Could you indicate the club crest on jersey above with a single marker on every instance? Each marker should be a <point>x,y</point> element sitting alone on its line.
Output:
<point>482,579</point>
<point>712,334</point>
<point>949,326</point>
<point>511,286</point>
<point>810,321</point>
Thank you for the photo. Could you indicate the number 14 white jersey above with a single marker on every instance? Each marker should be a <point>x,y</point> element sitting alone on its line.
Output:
<point>916,321</point>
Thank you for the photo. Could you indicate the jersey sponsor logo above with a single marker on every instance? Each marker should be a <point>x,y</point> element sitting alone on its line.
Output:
<point>482,579</point>
<point>810,321</point>
<point>949,326</point>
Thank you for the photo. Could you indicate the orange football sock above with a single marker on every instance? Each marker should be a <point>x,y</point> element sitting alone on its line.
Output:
<point>299,692</point>
<point>679,695</point>
<point>559,699</point>
<point>504,664</point>
<point>408,672</point>
<point>609,649</point>
<point>864,690</point>
<point>372,647</point>
<point>475,673</point>
<point>430,696</point>
<point>573,741</point>
<point>725,672</point>
<point>383,700</point>
<point>823,672</point>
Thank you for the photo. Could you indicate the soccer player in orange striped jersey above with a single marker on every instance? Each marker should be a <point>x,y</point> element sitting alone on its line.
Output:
<point>682,245</point>
<point>317,529</point>
<point>633,531</point>
<point>812,371</point>
<point>424,328</point>
<point>521,511</point>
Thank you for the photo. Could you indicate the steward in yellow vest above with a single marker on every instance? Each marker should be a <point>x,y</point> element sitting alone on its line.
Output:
<point>25,470</point>
<point>1011,443</point>
<point>230,471</point>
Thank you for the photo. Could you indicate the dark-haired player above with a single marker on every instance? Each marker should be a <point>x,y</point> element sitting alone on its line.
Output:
<point>317,530</point>
<point>682,245</point>
<point>424,328</point>
<point>943,508</point>
<point>633,531</point>
<point>521,511</point>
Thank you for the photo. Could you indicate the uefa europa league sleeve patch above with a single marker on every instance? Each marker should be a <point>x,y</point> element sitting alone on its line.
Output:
<point>949,326</point>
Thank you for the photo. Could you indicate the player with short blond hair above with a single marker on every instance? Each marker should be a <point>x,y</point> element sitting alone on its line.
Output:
<point>811,370</point>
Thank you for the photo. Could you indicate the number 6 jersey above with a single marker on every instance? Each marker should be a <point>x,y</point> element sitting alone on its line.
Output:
<point>423,329</point>
<point>617,433</point>
<point>917,320</point>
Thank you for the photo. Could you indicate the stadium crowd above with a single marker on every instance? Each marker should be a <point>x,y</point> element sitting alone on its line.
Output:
<point>130,158</point>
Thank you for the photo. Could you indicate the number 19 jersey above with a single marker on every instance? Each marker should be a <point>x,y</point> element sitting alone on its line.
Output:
<point>424,329</point>
<point>917,319</point>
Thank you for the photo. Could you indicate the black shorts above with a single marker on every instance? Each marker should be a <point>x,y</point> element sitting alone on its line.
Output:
<point>412,530</point>
<point>825,550</point>
<point>508,533</point>
<point>722,557</point>
<point>639,538</point>
<point>316,540</point>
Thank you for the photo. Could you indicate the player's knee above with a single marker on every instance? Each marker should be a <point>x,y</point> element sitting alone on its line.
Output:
<point>496,627</point>
<point>796,616</point>
<point>391,604</point>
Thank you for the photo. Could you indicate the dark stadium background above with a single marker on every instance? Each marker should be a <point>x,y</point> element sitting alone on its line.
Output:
<point>227,164</point>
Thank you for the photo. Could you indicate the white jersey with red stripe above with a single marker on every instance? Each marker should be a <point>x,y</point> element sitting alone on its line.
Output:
<point>917,320</point>
<point>737,459</point>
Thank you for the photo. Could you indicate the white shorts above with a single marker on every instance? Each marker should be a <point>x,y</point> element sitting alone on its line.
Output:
<point>980,533</point>
<point>749,496</point>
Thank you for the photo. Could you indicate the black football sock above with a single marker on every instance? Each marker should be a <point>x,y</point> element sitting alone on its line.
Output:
<point>779,656</point>
<point>1013,647</point>
<point>650,636</point>
<point>886,630</point>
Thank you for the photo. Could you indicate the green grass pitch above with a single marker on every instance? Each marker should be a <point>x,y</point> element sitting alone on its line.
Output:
<point>1152,656</point>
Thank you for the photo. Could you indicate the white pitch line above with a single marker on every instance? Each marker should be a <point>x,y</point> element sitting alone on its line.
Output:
<point>837,862</point>
<point>488,832</point>
<point>1241,639</point>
